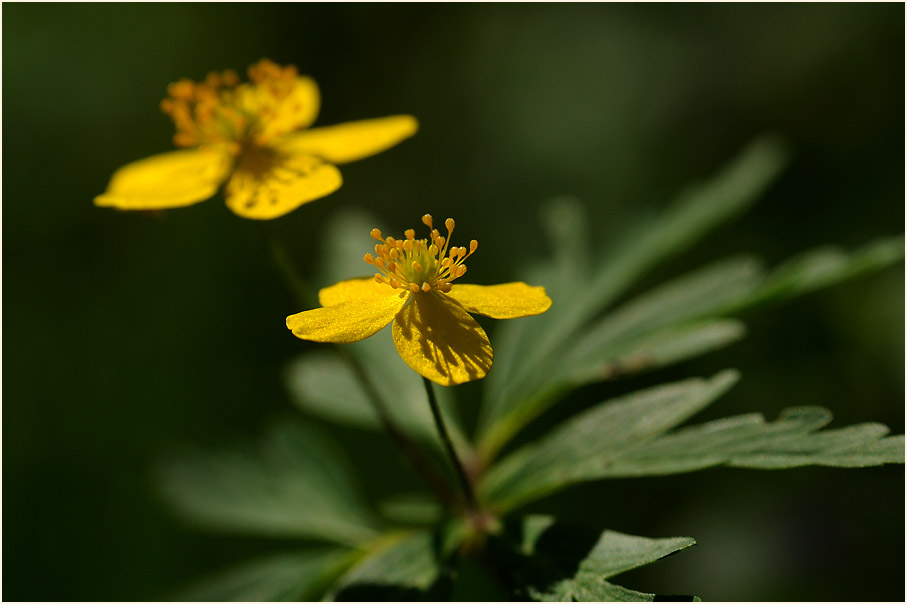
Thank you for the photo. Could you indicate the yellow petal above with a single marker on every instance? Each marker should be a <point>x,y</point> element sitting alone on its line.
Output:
<point>168,180</point>
<point>347,322</point>
<point>440,341</point>
<point>354,289</point>
<point>353,140</point>
<point>268,184</point>
<point>504,301</point>
<point>281,115</point>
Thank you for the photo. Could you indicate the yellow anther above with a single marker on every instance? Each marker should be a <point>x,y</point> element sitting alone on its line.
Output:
<point>426,287</point>
<point>462,251</point>
<point>426,220</point>
<point>473,246</point>
<point>449,223</point>
<point>461,270</point>
<point>376,233</point>
<point>445,263</point>
<point>408,245</point>
<point>433,249</point>
<point>379,262</point>
<point>369,259</point>
<point>410,234</point>
<point>414,287</point>
<point>391,241</point>
<point>393,255</point>
<point>417,267</point>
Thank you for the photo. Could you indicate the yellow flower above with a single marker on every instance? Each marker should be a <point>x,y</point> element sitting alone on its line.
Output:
<point>433,330</point>
<point>247,135</point>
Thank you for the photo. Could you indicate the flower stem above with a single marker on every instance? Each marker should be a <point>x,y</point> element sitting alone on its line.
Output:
<point>423,466</point>
<point>448,445</point>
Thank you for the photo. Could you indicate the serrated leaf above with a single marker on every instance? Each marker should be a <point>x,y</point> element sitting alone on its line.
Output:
<point>287,577</point>
<point>295,485</point>
<point>403,567</point>
<point>650,331</point>
<point>579,446</point>
<point>524,349</point>
<point>565,563</point>
<point>632,338</point>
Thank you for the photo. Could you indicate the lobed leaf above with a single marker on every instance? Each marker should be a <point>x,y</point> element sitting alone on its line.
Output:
<point>402,567</point>
<point>672,323</point>
<point>527,346</point>
<point>295,485</point>
<point>566,563</point>
<point>579,446</point>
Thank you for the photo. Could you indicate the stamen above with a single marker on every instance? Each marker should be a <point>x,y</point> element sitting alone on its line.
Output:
<point>419,265</point>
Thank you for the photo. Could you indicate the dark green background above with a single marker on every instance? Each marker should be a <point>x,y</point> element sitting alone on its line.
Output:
<point>126,335</point>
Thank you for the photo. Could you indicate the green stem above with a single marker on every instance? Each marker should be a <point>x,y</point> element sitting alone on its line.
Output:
<point>448,445</point>
<point>413,453</point>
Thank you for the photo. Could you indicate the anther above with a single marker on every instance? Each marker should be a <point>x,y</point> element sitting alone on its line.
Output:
<point>376,233</point>
<point>426,287</point>
<point>473,246</point>
<point>414,287</point>
<point>417,267</point>
<point>426,220</point>
<point>410,233</point>
<point>449,223</point>
<point>369,259</point>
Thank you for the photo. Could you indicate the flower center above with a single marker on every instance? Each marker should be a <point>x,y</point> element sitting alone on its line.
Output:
<point>221,110</point>
<point>418,265</point>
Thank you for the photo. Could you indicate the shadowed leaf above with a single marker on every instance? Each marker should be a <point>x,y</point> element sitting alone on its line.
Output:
<point>295,485</point>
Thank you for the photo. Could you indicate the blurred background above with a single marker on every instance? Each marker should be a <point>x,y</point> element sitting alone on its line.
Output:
<point>128,335</point>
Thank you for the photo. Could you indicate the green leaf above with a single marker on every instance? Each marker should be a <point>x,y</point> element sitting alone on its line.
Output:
<point>522,350</point>
<point>578,447</point>
<point>295,485</point>
<point>650,331</point>
<point>407,509</point>
<point>821,267</point>
<point>323,385</point>
<point>663,326</point>
<point>564,563</point>
<point>406,566</point>
<point>287,577</point>
<point>660,348</point>
<point>747,441</point>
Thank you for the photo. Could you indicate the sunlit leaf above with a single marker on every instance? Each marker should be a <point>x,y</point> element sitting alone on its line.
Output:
<point>692,215</point>
<point>295,485</point>
<point>566,563</point>
<point>576,448</point>
<point>404,567</point>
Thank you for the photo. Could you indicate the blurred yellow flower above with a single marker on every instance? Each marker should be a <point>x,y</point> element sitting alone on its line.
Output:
<point>432,328</point>
<point>248,135</point>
